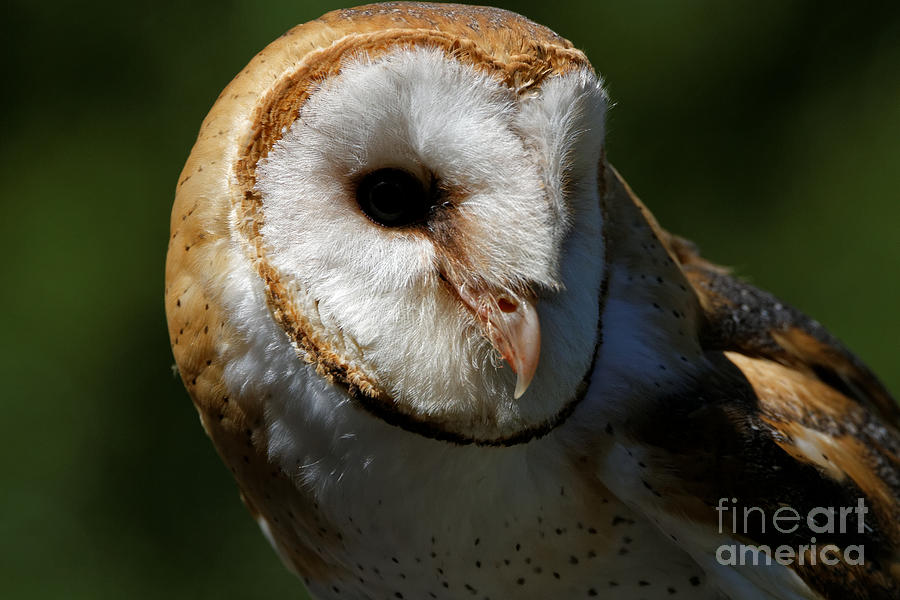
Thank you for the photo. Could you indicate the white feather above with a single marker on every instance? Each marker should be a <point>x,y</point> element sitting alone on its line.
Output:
<point>376,294</point>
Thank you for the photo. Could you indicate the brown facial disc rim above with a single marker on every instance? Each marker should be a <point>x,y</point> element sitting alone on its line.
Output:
<point>278,108</point>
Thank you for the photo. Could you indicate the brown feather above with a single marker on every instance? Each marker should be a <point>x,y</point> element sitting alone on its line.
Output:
<point>751,321</point>
<point>783,415</point>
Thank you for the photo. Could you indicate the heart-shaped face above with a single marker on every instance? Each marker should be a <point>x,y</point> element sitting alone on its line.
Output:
<point>420,207</point>
<point>422,218</point>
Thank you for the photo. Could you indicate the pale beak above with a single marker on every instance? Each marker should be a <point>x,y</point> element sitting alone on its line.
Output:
<point>512,327</point>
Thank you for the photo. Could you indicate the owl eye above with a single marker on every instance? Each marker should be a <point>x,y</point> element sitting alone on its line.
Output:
<point>393,197</point>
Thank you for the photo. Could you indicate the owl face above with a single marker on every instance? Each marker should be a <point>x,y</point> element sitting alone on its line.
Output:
<point>428,228</point>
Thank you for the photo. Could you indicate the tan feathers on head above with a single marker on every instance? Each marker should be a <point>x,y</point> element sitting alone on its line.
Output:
<point>498,55</point>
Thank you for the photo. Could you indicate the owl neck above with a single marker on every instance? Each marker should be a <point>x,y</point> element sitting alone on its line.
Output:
<point>650,317</point>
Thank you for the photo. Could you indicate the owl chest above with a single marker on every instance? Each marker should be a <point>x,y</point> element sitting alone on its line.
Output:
<point>501,530</point>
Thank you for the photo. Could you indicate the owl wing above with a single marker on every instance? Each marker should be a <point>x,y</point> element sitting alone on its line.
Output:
<point>784,417</point>
<point>739,317</point>
<point>829,428</point>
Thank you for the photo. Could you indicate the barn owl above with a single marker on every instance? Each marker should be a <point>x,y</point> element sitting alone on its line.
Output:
<point>447,353</point>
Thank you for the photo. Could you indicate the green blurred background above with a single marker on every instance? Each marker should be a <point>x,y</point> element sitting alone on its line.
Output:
<point>769,132</point>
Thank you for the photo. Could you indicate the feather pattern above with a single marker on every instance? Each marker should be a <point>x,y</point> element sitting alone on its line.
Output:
<point>780,415</point>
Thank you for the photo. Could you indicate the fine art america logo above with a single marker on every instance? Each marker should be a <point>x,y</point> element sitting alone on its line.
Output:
<point>785,522</point>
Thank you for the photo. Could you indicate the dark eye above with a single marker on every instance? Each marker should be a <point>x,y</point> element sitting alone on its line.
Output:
<point>393,197</point>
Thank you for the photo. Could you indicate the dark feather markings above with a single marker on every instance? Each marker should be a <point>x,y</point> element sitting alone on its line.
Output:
<point>742,318</point>
<point>783,415</point>
<point>720,440</point>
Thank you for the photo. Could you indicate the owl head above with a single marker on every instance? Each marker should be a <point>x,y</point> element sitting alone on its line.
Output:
<point>417,192</point>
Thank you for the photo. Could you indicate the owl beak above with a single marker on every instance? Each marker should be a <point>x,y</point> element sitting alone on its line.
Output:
<point>513,328</point>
